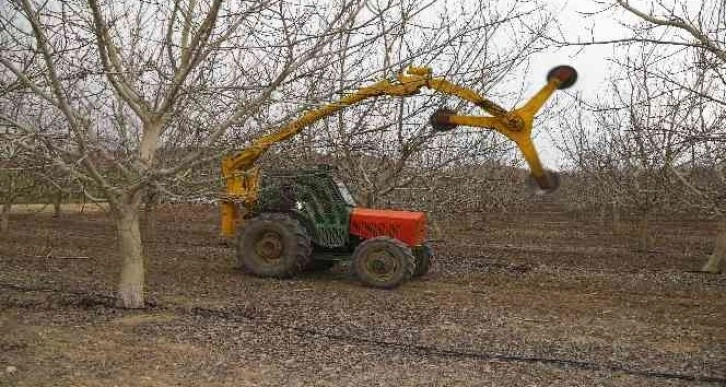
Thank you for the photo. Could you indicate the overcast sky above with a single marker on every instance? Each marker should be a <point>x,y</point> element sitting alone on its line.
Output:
<point>590,61</point>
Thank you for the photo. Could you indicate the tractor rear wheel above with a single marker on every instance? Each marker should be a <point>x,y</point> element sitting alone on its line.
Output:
<point>383,262</point>
<point>273,245</point>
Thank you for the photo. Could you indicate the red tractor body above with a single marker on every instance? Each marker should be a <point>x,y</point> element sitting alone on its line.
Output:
<point>406,226</point>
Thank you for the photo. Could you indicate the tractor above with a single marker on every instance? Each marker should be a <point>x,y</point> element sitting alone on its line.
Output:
<point>302,211</point>
<point>285,222</point>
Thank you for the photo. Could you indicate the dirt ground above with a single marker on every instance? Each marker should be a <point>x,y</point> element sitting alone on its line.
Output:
<point>513,300</point>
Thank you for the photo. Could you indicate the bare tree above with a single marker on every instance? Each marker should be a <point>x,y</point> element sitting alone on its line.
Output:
<point>671,102</point>
<point>385,145</point>
<point>12,183</point>
<point>106,84</point>
<point>693,34</point>
<point>22,176</point>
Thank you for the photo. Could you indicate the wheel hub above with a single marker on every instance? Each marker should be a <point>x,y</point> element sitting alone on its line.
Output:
<point>269,247</point>
<point>381,264</point>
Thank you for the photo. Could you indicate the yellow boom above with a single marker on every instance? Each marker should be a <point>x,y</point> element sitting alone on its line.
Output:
<point>241,174</point>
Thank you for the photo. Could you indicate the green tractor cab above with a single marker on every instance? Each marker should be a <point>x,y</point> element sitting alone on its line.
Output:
<point>305,219</point>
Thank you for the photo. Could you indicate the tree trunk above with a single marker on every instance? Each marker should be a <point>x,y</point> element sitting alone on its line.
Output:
<point>150,199</point>
<point>57,199</point>
<point>368,199</point>
<point>131,286</point>
<point>616,216</point>
<point>83,199</point>
<point>645,239</point>
<point>719,252</point>
<point>5,216</point>
<point>126,212</point>
<point>7,204</point>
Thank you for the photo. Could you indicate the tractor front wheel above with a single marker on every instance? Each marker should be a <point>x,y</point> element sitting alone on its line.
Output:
<point>273,245</point>
<point>383,262</point>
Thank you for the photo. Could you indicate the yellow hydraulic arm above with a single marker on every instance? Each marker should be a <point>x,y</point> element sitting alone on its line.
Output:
<point>241,174</point>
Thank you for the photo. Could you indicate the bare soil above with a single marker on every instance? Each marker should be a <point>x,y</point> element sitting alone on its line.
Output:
<point>513,300</point>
